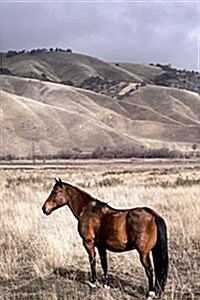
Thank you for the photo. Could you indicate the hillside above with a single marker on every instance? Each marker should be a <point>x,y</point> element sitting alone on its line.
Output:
<point>146,72</point>
<point>64,67</point>
<point>125,115</point>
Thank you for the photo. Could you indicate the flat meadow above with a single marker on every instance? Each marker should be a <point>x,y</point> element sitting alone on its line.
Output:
<point>42,257</point>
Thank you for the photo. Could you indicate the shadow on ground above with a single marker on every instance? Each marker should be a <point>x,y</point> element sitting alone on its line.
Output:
<point>73,284</point>
<point>115,282</point>
<point>70,284</point>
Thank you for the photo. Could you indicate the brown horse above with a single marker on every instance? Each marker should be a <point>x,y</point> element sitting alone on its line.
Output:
<point>106,228</point>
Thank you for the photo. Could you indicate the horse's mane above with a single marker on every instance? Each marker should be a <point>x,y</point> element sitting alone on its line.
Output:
<point>99,203</point>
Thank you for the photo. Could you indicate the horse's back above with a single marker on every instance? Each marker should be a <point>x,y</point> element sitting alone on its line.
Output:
<point>123,230</point>
<point>119,230</point>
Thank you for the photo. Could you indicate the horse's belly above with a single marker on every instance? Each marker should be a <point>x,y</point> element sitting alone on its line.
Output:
<point>114,245</point>
<point>117,242</point>
<point>118,246</point>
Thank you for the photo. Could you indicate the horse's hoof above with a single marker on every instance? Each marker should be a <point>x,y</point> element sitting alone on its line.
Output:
<point>92,285</point>
<point>151,295</point>
<point>106,286</point>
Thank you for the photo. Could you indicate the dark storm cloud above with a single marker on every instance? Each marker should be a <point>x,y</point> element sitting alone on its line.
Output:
<point>165,32</point>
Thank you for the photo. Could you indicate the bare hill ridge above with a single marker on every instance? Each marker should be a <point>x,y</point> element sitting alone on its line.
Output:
<point>44,117</point>
<point>65,67</point>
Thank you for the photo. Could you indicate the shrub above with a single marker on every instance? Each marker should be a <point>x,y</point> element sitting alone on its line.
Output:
<point>11,53</point>
<point>67,82</point>
<point>4,71</point>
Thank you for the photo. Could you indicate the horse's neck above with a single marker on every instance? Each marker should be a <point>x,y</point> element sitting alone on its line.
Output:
<point>78,201</point>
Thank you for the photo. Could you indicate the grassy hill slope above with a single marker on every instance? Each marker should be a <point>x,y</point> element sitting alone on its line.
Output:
<point>63,66</point>
<point>50,119</point>
<point>54,103</point>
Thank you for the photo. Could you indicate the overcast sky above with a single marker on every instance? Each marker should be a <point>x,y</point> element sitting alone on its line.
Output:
<point>145,32</point>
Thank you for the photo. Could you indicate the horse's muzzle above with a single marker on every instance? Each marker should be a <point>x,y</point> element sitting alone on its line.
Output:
<point>45,211</point>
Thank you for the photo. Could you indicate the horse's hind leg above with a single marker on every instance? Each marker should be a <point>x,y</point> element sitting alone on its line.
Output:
<point>103,257</point>
<point>146,262</point>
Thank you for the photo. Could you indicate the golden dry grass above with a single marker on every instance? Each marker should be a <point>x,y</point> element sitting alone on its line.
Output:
<point>43,258</point>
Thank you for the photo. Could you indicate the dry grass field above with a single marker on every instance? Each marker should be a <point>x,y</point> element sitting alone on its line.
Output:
<point>42,258</point>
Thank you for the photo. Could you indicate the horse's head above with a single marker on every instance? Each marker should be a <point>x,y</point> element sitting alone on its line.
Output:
<point>57,198</point>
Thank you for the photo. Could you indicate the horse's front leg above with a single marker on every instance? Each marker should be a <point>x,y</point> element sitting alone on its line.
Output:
<point>89,246</point>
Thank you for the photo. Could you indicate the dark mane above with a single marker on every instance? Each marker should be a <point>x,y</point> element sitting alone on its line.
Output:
<point>99,203</point>
<point>79,190</point>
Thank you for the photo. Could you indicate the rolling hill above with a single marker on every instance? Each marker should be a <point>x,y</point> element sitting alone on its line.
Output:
<point>64,67</point>
<point>45,118</point>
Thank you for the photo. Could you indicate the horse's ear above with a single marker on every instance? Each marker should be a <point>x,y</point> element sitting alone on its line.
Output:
<point>60,181</point>
<point>56,180</point>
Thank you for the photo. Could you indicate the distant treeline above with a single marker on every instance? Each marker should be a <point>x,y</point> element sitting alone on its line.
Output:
<point>111,153</point>
<point>181,79</point>
<point>169,68</point>
<point>11,53</point>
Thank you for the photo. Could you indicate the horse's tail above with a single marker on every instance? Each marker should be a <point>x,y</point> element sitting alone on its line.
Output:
<point>160,255</point>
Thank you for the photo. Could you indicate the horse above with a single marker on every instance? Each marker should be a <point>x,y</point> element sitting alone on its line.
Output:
<point>105,228</point>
